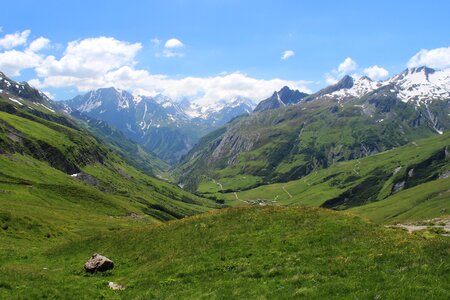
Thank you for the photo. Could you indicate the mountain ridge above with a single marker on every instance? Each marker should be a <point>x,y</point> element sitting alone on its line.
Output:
<point>342,122</point>
<point>161,125</point>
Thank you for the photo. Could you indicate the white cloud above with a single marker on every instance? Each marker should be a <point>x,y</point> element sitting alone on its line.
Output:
<point>173,43</point>
<point>172,48</point>
<point>12,62</point>
<point>330,79</point>
<point>286,54</point>
<point>205,90</point>
<point>90,58</point>
<point>347,65</point>
<point>376,72</point>
<point>438,58</point>
<point>104,61</point>
<point>13,40</point>
<point>39,44</point>
<point>344,68</point>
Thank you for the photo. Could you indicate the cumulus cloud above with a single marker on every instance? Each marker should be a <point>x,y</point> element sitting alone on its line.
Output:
<point>173,43</point>
<point>104,61</point>
<point>13,40</point>
<point>347,65</point>
<point>286,54</point>
<point>350,67</point>
<point>376,72</point>
<point>173,48</point>
<point>438,58</point>
<point>89,58</point>
<point>344,68</point>
<point>203,89</point>
<point>39,44</point>
<point>12,62</point>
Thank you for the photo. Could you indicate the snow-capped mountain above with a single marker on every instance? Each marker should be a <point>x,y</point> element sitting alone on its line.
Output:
<point>22,90</point>
<point>158,122</point>
<point>360,87</point>
<point>419,85</point>
<point>422,84</point>
<point>426,89</point>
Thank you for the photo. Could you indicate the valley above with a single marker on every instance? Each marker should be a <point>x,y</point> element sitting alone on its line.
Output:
<point>176,193</point>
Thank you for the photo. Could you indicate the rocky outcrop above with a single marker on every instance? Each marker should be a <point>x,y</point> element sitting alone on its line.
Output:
<point>282,98</point>
<point>98,263</point>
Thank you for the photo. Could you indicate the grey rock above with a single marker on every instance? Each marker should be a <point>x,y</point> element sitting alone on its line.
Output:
<point>398,187</point>
<point>98,263</point>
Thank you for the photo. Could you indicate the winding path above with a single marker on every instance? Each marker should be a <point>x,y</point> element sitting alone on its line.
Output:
<point>284,189</point>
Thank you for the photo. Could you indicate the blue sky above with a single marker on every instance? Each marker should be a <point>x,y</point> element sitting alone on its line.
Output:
<point>212,39</point>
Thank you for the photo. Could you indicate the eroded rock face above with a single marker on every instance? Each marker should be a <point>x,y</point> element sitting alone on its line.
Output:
<point>98,263</point>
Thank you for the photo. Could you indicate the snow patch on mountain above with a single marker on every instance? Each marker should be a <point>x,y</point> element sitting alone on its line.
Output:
<point>361,87</point>
<point>422,84</point>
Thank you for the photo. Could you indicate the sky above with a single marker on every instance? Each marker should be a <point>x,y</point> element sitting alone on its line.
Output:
<point>216,49</point>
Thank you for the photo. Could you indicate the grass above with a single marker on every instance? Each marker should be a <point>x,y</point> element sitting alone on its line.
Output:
<point>429,198</point>
<point>167,243</point>
<point>289,143</point>
<point>36,189</point>
<point>249,253</point>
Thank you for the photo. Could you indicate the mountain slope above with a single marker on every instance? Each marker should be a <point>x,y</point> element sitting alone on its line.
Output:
<point>49,163</point>
<point>408,183</point>
<point>165,127</point>
<point>130,151</point>
<point>338,123</point>
<point>238,253</point>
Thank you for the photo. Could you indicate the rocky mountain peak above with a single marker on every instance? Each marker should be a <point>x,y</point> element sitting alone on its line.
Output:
<point>283,97</point>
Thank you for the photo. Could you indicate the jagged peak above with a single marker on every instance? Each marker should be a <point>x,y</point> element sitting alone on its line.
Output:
<point>345,83</point>
<point>367,78</point>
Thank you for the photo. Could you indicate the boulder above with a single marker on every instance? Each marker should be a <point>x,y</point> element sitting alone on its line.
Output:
<point>115,286</point>
<point>98,263</point>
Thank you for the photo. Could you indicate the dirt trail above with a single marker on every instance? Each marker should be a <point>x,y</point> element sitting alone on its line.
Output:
<point>356,167</point>
<point>284,189</point>
<point>218,183</point>
<point>437,223</point>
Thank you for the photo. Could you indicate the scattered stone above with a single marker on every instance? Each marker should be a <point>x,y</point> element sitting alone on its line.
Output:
<point>86,178</point>
<point>436,223</point>
<point>398,187</point>
<point>98,263</point>
<point>396,170</point>
<point>445,175</point>
<point>115,286</point>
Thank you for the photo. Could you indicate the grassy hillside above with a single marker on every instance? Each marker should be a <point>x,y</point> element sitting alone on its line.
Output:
<point>247,253</point>
<point>289,143</point>
<point>406,183</point>
<point>52,171</point>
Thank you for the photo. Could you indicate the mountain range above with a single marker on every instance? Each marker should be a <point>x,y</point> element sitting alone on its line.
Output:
<point>163,126</point>
<point>352,119</point>
<point>77,179</point>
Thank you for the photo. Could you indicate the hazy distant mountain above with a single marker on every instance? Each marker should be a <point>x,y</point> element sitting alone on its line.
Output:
<point>166,127</point>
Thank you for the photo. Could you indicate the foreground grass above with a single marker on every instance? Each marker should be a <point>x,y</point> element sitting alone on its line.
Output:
<point>241,253</point>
